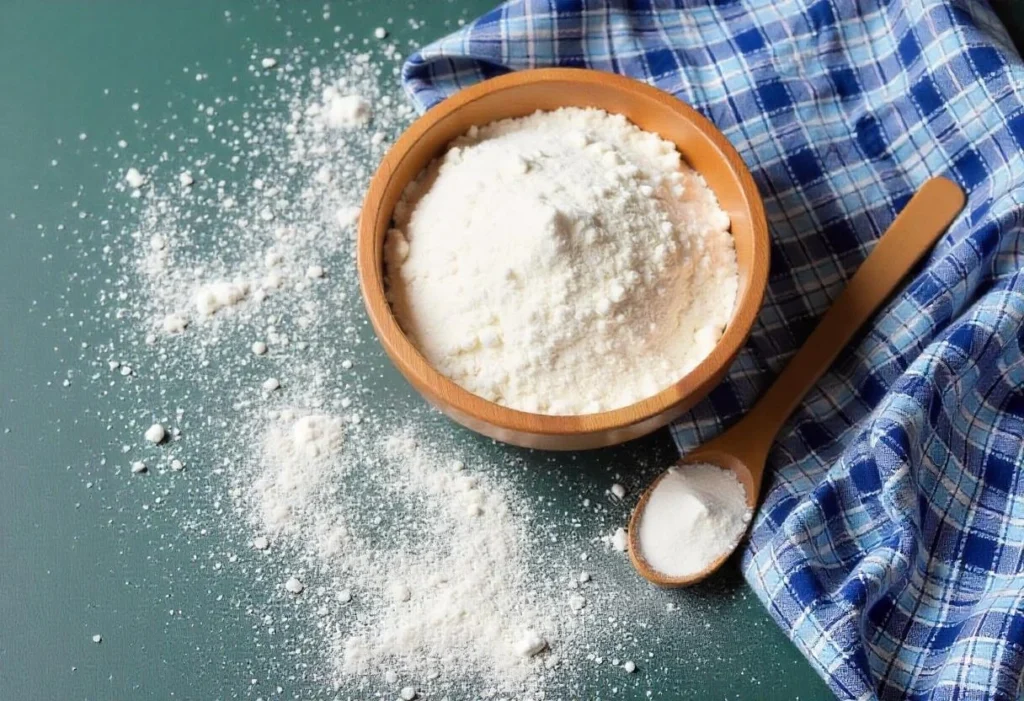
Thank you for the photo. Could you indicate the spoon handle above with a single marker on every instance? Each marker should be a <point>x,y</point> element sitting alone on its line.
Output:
<point>924,218</point>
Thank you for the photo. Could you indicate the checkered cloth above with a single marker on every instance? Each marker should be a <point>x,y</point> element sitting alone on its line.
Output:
<point>890,544</point>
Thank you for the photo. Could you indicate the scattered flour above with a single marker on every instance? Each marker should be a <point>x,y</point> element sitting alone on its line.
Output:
<point>563,263</point>
<point>348,217</point>
<point>295,455</point>
<point>696,514</point>
<point>330,478</point>
<point>466,596</point>
<point>450,590</point>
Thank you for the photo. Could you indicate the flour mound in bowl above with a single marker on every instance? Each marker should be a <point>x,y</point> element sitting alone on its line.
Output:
<point>561,263</point>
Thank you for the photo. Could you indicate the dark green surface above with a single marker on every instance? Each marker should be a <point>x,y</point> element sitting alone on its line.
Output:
<point>75,561</point>
<point>1011,12</point>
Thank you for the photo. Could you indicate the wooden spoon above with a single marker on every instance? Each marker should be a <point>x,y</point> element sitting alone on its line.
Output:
<point>744,447</point>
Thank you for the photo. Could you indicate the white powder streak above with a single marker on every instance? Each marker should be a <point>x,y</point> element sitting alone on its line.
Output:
<point>453,592</point>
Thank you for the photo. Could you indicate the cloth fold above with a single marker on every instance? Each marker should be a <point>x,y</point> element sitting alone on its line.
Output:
<point>890,542</point>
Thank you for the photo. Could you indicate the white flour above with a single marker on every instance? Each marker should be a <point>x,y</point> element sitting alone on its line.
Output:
<point>448,590</point>
<point>296,454</point>
<point>696,514</point>
<point>370,546</point>
<point>468,599</point>
<point>563,263</point>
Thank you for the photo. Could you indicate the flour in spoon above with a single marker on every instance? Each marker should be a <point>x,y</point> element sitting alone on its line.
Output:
<point>694,515</point>
<point>562,263</point>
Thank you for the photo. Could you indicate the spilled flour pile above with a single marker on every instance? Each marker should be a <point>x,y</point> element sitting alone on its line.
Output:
<point>446,592</point>
<point>463,598</point>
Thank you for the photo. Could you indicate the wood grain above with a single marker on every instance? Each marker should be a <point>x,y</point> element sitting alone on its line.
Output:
<point>516,95</point>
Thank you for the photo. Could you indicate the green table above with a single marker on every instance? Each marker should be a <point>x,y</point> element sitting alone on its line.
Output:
<point>76,559</point>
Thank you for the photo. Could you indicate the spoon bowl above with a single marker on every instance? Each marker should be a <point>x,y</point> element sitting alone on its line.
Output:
<point>743,449</point>
<point>706,454</point>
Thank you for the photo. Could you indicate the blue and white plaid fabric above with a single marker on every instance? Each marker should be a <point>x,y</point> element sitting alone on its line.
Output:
<point>890,544</point>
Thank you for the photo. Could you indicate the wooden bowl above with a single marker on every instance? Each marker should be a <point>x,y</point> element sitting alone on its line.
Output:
<point>517,95</point>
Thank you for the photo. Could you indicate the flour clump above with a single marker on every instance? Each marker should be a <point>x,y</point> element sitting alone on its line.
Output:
<point>562,263</point>
<point>211,298</point>
<point>344,111</point>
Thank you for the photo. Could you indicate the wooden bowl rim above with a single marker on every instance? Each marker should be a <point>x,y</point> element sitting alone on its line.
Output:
<point>411,363</point>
